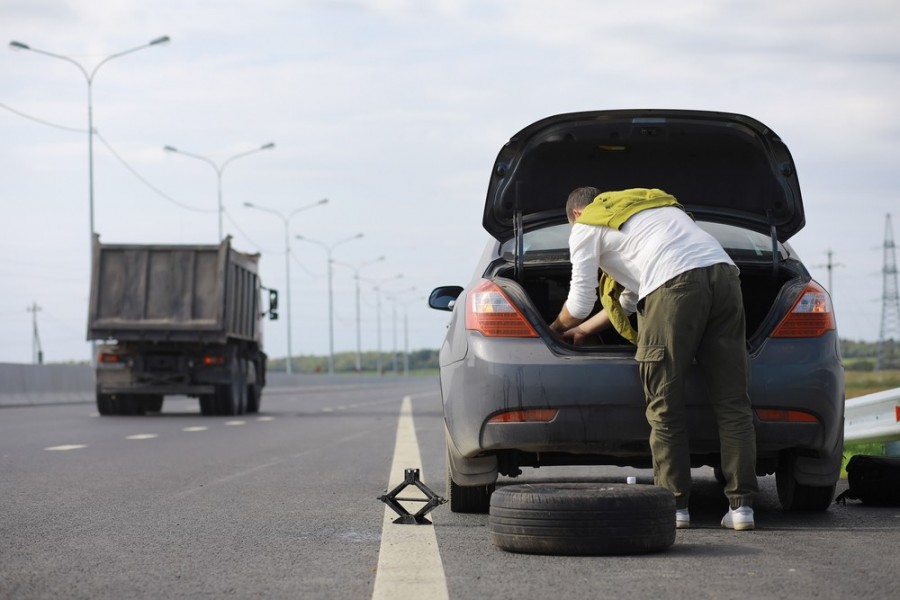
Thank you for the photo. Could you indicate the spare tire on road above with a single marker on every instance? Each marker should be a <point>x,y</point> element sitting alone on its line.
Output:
<point>582,518</point>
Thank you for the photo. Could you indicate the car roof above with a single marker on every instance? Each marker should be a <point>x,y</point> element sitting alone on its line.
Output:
<point>722,167</point>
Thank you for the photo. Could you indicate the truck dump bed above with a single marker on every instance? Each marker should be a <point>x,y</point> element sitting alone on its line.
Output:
<point>185,293</point>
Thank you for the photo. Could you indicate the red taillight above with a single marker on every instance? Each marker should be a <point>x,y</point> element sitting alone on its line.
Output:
<point>811,315</point>
<point>530,415</point>
<point>108,358</point>
<point>489,311</point>
<point>788,416</point>
<point>213,360</point>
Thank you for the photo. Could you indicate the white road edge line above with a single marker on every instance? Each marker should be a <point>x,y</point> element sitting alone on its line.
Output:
<point>66,447</point>
<point>409,562</point>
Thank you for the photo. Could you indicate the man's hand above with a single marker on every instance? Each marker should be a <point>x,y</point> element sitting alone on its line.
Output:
<point>564,321</point>
<point>575,336</point>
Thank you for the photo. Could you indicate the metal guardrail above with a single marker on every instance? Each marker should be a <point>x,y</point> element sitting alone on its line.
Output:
<point>873,418</point>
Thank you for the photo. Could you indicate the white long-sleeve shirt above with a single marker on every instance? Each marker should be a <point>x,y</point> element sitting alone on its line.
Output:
<point>652,247</point>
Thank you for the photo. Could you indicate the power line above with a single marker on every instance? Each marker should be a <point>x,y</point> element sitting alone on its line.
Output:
<point>41,121</point>
<point>143,180</point>
<point>118,157</point>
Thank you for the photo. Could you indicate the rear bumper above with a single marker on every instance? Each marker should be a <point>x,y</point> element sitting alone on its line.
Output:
<point>601,400</point>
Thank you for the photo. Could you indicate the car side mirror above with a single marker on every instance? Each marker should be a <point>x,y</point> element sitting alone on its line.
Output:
<point>444,297</point>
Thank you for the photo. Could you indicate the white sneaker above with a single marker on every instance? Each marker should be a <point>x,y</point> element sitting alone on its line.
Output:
<point>682,518</point>
<point>739,519</point>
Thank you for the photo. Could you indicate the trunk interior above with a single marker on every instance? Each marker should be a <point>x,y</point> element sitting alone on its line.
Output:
<point>546,286</point>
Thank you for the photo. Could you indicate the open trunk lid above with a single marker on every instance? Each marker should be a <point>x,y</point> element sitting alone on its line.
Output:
<point>722,167</point>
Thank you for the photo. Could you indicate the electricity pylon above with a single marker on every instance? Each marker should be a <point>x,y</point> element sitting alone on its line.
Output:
<point>890,304</point>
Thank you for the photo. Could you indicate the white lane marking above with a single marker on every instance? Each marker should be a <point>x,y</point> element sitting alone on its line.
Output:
<point>409,562</point>
<point>327,409</point>
<point>235,422</point>
<point>195,428</point>
<point>142,436</point>
<point>66,447</point>
<point>265,419</point>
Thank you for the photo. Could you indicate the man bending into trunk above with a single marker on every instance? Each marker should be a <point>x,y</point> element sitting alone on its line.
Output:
<point>687,294</point>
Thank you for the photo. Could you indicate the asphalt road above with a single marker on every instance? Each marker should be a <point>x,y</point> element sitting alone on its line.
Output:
<point>284,505</point>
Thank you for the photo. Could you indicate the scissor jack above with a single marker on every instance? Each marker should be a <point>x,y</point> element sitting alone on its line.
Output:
<point>411,477</point>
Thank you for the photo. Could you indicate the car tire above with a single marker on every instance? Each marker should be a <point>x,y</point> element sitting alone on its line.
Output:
<point>797,496</point>
<point>473,500</point>
<point>582,518</point>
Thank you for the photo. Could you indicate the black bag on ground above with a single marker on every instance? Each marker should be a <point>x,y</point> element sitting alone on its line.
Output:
<point>873,479</point>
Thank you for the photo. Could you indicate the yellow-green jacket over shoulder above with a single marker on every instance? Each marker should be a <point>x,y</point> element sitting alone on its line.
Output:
<point>613,209</point>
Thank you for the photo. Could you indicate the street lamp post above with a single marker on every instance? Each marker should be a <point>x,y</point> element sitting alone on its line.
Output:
<point>286,219</point>
<point>394,298</point>
<point>329,248</point>
<point>376,285</point>
<point>219,169</point>
<point>356,271</point>
<point>406,334</point>
<point>89,79</point>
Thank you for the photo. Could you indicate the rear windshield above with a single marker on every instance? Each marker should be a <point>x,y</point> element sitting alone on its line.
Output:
<point>740,243</point>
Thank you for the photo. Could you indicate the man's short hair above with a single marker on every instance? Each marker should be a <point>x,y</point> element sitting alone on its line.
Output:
<point>578,199</point>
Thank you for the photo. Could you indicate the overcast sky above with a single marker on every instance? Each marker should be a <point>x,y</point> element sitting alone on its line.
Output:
<point>394,110</point>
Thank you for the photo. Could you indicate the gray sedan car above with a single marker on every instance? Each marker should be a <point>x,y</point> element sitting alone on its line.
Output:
<point>516,396</point>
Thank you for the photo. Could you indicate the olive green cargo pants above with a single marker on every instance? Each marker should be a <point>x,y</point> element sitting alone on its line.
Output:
<point>698,315</point>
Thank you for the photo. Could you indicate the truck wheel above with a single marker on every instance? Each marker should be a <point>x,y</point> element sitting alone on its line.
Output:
<point>253,399</point>
<point>130,404</point>
<point>105,405</point>
<point>231,398</point>
<point>208,404</point>
<point>582,518</point>
<point>153,402</point>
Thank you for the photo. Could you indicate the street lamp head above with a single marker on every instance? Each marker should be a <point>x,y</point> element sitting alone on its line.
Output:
<point>268,146</point>
<point>249,205</point>
<point>160,40</point>
<point>357,236</point>
<point>323,201</point>
<point>170,148</point>
<point>14,45</point>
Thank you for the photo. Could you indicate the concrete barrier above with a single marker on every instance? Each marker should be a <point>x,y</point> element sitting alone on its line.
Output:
<point>24,385</point>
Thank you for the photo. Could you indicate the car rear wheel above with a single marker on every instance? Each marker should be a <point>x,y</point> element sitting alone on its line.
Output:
<point>797,496</point>
<point>582,518</point>
<point>475,499</point>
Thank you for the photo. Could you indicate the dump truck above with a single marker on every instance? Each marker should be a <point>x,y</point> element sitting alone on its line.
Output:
<point>177,320</point>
